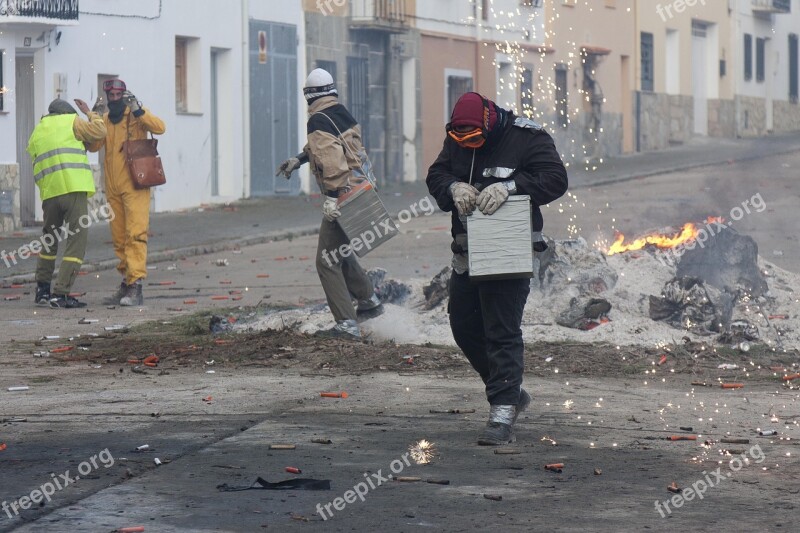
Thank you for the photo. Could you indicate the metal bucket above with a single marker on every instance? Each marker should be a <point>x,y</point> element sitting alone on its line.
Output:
<point>364,219</point>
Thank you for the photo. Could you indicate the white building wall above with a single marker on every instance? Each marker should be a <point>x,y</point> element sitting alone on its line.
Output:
<point>135,40</point>
<point>8,145</point>
<point>784,25</point>
<point>776,30</point>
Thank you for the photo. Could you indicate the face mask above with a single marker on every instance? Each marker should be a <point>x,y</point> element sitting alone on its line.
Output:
<point>471,139</point>
<point>116,106</point>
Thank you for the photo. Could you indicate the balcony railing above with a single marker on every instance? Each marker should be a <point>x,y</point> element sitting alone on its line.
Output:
<point>772,6</point>
<point>39,9</point>
<point>390,15</point>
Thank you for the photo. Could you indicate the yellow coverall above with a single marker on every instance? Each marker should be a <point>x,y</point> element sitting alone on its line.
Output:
<point>131,206</point>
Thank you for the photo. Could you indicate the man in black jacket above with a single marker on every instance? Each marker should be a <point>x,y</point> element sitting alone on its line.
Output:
<point>489,154</point>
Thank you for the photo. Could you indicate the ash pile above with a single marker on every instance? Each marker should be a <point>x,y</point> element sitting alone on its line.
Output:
<point>721,290</point>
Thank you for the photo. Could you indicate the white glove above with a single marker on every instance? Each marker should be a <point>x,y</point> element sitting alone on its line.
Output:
<point>287,167</point>
<point>330,209</point>
<point>464,195</point>
<point>492,197</point>
<point>130,100</point>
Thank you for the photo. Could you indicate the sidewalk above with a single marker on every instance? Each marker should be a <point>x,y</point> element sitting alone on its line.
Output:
<point>253,221</point>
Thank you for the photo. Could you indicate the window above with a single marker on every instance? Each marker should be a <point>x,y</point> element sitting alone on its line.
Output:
<point>562,105</point>
<point>748,57</point>
<point>793,68</point>
<point>526,90</point>
<point>358,94</point>
<point>188,85</point>
<point>530,3</point>
<point>456,87</point>
<point>647,61</point>
<point>2,87</point>
<point>485,9</point>
<point>760,59</point>
<point>180,75</point>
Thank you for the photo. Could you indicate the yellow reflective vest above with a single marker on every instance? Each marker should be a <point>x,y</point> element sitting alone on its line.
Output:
<point>60,165</point>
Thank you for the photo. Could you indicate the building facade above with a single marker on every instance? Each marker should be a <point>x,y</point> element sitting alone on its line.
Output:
<point>721,69</point>
<point>371,48</point>
<point>225,78</point>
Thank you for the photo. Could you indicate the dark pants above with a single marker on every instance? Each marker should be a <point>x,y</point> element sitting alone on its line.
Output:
<point>486,318</point>
<point>62,222</point>
<point>341,275</point>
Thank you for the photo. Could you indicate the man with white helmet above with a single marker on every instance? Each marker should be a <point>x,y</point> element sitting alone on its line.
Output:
<point>336,155</point>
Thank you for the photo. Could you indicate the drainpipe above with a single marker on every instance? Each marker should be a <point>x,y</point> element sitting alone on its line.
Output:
<point>245,97</point>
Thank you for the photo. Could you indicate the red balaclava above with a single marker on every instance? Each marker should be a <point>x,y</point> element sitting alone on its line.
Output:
<point>475,111</point>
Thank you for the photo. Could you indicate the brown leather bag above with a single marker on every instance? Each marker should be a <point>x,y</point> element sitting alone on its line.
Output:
<point>143,160</point>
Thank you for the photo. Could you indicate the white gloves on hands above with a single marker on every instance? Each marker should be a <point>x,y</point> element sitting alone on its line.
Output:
<point>287,167</point>
<point>464,195</point>
<point>492,197</point>
<point>330,210</point>
<point>130,100</point>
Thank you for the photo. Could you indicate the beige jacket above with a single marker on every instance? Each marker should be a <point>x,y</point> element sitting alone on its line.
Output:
<point>335,166</point>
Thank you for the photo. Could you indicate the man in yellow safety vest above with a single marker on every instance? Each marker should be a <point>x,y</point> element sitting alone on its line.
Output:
<point>64,177</point>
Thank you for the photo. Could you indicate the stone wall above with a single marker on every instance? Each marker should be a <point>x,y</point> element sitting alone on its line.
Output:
<point>664,120</point>
<point>752,116</point>
<point>722,118</point>
<point>786,116</point>
<point>9,189</point>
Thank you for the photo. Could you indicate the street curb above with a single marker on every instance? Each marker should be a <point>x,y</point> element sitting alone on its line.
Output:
<point>672,170</point>
<point>187,251</point>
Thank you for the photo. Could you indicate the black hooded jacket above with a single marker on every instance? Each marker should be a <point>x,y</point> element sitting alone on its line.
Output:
<point>516,148</point>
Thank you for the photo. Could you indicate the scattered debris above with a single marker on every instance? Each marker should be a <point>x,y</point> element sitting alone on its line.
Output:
<point>673,487</point>
<point>734,441</point>
<point>686,303</point>
<point>437,290</point>
<point>731,385</point>
<point>681,437</point>
<point>583,312</point>
<point>333,394</point>
<point>767,432</point>
<point>493,497</point>
<point>598,472</point>
<point>408,479</point>
<point>293,470</point>
<point>389,291</point>
<point>18,388</point>
<point>554,467</point>
<point>289,484</point>
<point>452,411</point>
<point>322,441</point>
<point>727,261</point>
<point>282,446</point>
<point>506,451</point>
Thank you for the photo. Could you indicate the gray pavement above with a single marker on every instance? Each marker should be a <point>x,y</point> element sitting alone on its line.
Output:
<point>210,229</point>
<point>75,411</point>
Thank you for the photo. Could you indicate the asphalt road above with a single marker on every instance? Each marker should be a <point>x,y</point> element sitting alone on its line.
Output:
<point>76,412</point>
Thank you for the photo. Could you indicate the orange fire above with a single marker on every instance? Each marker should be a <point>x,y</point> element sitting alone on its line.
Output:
<point>687,233</point>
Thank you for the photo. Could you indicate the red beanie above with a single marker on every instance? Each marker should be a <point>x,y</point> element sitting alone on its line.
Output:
<point>468,111</point>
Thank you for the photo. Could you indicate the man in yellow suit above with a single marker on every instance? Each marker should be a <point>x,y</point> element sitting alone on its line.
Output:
<point>126,119</point>
<point>64,177</point>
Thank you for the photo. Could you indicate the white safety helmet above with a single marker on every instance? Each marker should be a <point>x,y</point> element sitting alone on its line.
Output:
<point>319,83</point>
